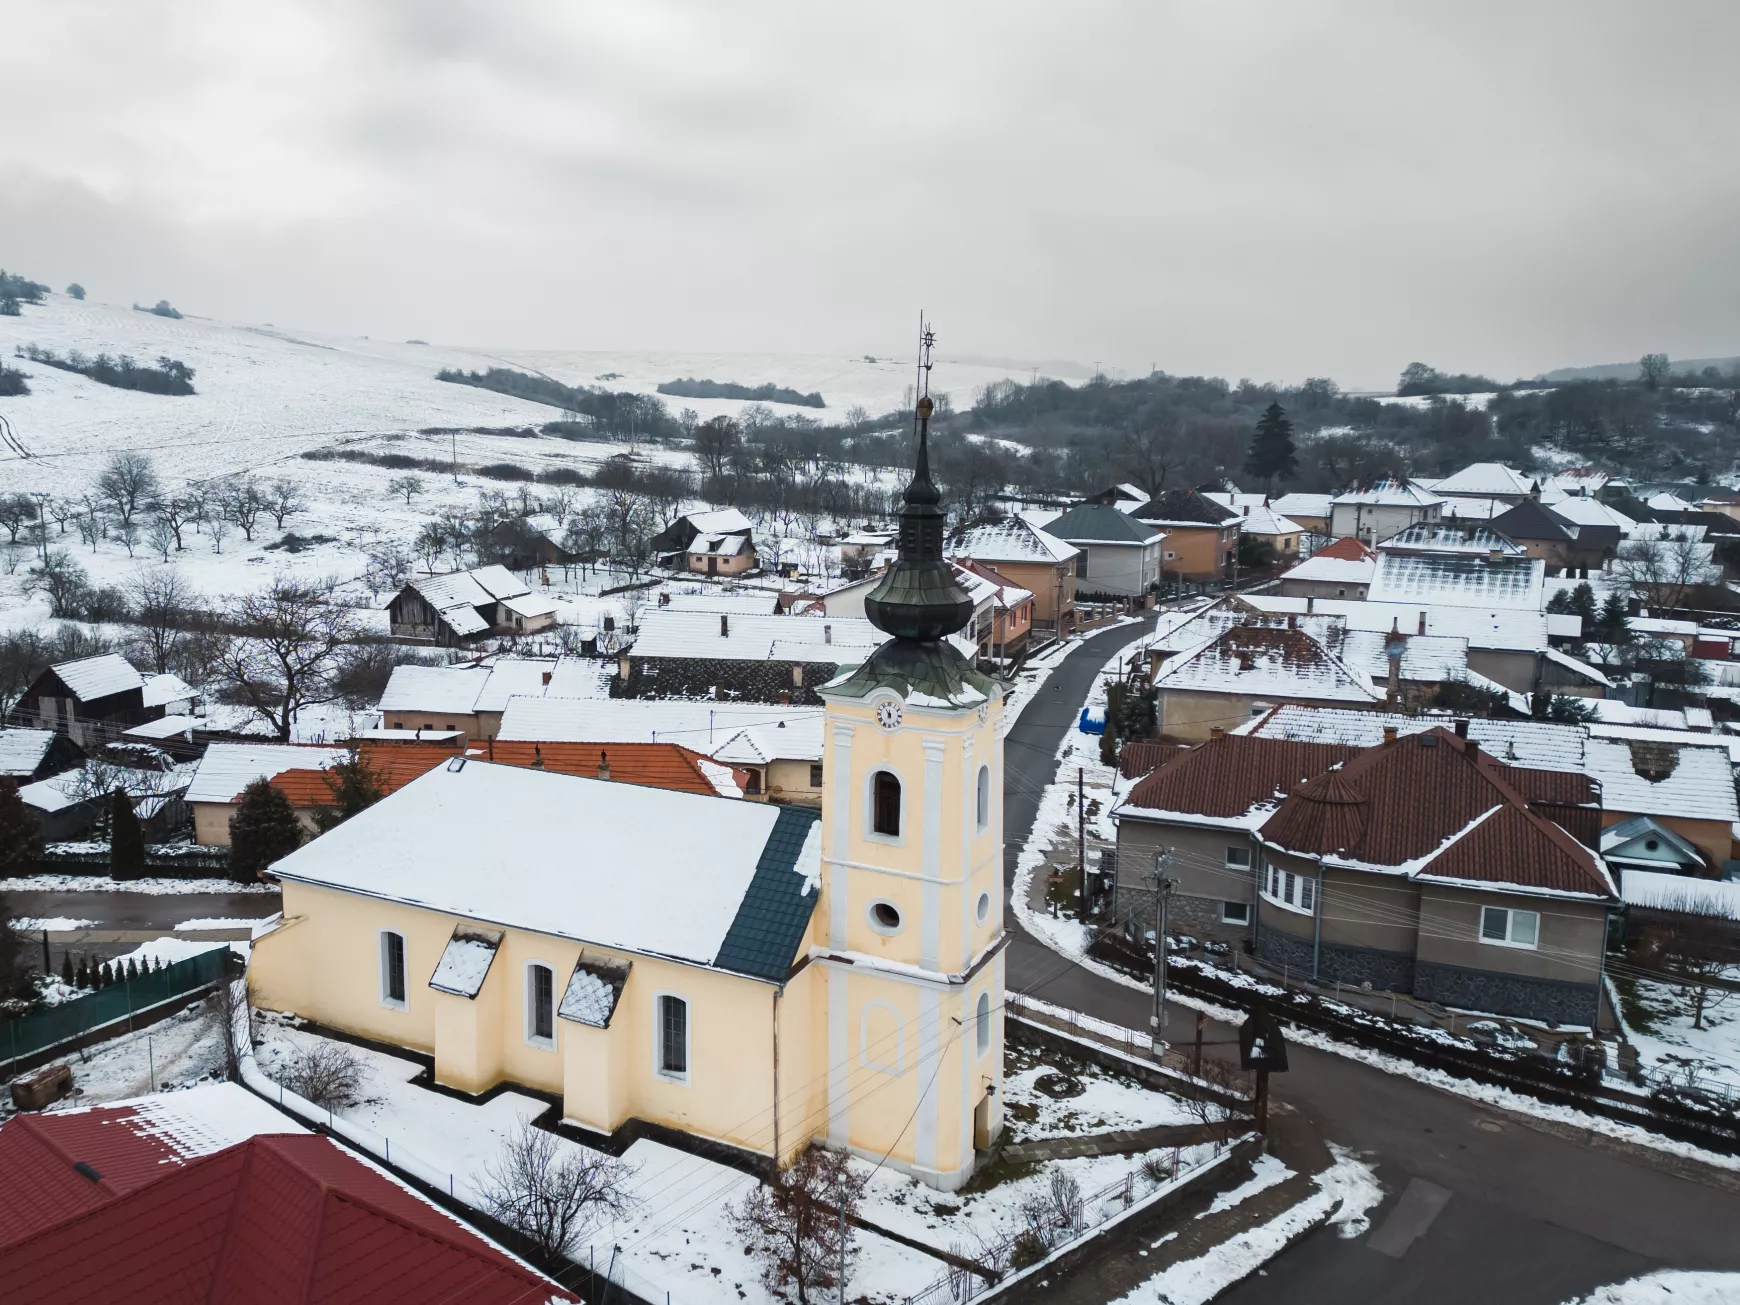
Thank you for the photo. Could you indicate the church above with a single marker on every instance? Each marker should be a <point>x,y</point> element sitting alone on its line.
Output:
<point>763,977</point>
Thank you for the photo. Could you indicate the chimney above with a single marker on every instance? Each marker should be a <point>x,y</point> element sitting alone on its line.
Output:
<point>1310,606</point>
<point>827,634</point>
<point>537,757</point>
<point>603,765</point>
<point>797,674</point>
<point>1244,655</point>
<point>1422,628</point>
<point>664,600</point>
<point>724,626</point>
<point>490,740</point>
<point>1292,620</point>
<point>547,677</point>
<point>1461,729</point>
<point>1389,733</point>
<point>622,667</point>
<point>1217,731</point>
<point>784,699</point>
<point>609,624</point>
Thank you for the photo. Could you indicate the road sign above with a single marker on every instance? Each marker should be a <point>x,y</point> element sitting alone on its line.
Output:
<point>1261,1046</point>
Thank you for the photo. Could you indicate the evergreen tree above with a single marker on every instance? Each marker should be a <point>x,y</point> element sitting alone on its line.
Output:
<point>103,977</point>
<point>66,969</point>
<point>1611,622</point>
<point>355,786</point>
<point>83,979</point>
<point>1271,452</point>
<point>20,835</point>
<point>126,840</point>
<point>132,969</point>
<point>14,963</point>
<point>263,830</point>
<point>1583,604</point>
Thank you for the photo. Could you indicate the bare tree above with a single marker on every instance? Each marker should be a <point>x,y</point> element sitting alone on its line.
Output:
<point>161,536</point>
<point>16,510</point>
<point>239,499</point>
<point>409,486</point>
<point>1151,453</point>
<point>128,531</point>
<point>283,500</point>
<point>89,527</point>
<point>228,1006</point>
<point>430,543</point>
<point>163,607</point>
<point>551,1193</point>
<point>287,652</point>
<point>62,510</point>
<point>1654,368</point>
<point>715,441</point>
<point>1665,568</point>
<point>59,579</point>
<point>219,527</point>
<point>174,511</point>
<point>126,485</point>
<point>798,1224</point>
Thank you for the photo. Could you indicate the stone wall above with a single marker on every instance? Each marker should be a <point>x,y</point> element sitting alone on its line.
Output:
<point>1507,994</point>
<point>1385,971</point>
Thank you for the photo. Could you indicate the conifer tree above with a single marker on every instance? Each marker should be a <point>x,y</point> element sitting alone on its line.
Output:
<point>66,969</point>
<point>263,830</point>
<point>126,839</point>
<point>1271,452</point>
<point>104,978</point>
<point>132,969</point>
<point>355,786</point>
<point>84,972</point>
<point>1613,620</point>
<point>20,836</point>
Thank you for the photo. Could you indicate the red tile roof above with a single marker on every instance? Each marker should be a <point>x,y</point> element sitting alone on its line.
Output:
<point>1452,810</point>
<point>276,1218</point>
<point>1348,549</point>
<point>1227,776</point>
<point>1140,756</point>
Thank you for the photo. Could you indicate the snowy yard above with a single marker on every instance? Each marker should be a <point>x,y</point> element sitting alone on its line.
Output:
<point>1659,1022</point>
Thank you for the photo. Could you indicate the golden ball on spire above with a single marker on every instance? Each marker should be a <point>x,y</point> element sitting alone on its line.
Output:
<point>924,407</point>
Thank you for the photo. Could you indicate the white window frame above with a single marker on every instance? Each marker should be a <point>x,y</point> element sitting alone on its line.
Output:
<point>527,998</point>
<point>874,1057</point>
<point>982,1023</point>
<point>982,908</point>
<point>981,797</point>
<point>1226,907</point>
<point>390,1002</point>
<point>1229,860</point>
<point>1288,890</point>
<point>658,1038</point>
<point>890,840</point>
<point>1509,940</point>
<point>877,925</point>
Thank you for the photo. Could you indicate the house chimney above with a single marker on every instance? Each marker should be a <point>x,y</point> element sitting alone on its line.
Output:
<point>603,764</point>
<point>797,674</point>
<point>1389,733</point>
<point>622,667</point>
<point>1422,628</point>
<point>1292,620</point>
<point>1217,731</point>
<point>664,600</point>
<point>1310,606</point>
<point>724,626</point>
<point>547,677</point>
<point>784,699</point>
<point>827,634</point>
<point>1461,729</point>
<point>537,757</point>
<point>609,624</point>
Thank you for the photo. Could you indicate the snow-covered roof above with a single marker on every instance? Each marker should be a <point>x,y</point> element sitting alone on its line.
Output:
<point>1480,479</point>
<point>1334,570</point>
<point>1389,493</point>
<point>779,733</point>
<point>475,588</point>
<point>451,690</point>
<point>1458,581</point>
<point>1659,843</point>
<point>592,993</point>
<point>1577,481</point>
<point>840,639</point>
<point>1576,667</point>
<point>1514,628</point>
<point>1474,509</point>
<point>721,545</point>
<point>228,768</point>
<point>529,606</point>
<point>639,869</point>
<point>1450,537</point>
<point>1258,519</point>
<point>165,727</point>
<point>1657,891</point>
<point>1699,787</point>
<point>1681,738</point>
<point>56,793</point>
<point>1534,745</point>
<point>721,521</point>
<point>22,751</point>
<point>1669,503</point>
<point>513,677</point>
<point>465,961</point>
<point>91,678</point>
<point>1012,540</point>
<point>1266,661</point>
<point>161,690</point>
<point>1303,505</point>
<point>744,602</point>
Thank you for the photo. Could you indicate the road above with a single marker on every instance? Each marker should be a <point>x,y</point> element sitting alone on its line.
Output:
<point>142,914</point>
<point>1502,1212</point>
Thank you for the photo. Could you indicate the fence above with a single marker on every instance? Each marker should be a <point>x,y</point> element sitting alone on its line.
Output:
<point>73,1019</point>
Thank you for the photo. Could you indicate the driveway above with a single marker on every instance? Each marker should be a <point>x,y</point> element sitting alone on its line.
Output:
<point>1477,1208</point>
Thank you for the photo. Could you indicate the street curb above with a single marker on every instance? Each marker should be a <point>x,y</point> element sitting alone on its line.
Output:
<point>1285,1246</point>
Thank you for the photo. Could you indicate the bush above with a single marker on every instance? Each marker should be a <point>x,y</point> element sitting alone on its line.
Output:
<point>329,1074</point>
<point>1029,1249</point>
<point>167,376</point>
<point>13,382</point>
<point>689,388</point>
<point>562,476</point>
<point>161,308</point>
<point>505,471</point>
<point>20,288</point>
<point>75,291</point>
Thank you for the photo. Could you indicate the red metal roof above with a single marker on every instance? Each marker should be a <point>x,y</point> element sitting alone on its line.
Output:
<point>1348,549</point>
<point>277,1218</point>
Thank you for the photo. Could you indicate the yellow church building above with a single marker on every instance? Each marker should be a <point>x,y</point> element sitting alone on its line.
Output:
<point>761,976</point>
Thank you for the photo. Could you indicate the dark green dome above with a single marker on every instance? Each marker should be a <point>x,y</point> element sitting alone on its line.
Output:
<point>920,598</point>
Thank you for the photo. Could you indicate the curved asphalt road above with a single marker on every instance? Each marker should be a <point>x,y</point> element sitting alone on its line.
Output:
<point>1500,1212</point>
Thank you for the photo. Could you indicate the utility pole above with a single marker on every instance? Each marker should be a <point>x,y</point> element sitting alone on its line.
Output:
<point>840,1197</point>
<point>1163,885</point>
<point>1081,844</point>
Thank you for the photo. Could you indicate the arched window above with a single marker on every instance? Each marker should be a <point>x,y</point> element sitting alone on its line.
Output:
<point>984,1022</point>
<point>540,1004</point>
<point>392,969</point>
<point>673,1034</point>
<point>984,796</point>
<point>885,797</point>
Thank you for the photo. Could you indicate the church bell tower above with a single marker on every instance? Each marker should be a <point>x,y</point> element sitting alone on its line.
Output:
<point>910,923</point>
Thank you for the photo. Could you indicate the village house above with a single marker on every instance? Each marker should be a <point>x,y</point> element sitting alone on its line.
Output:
<point>778,750</point>
<point>1202,536</point>
<point>1118,557</point>
<point>1457,564</point>
<point>94,700</point>
<point>462,607</point>
<point>770,659</point>
<point>1012,610</point>
<point>1489,481</point>
<point>1340,569</point>
<point>702,542</point>
<point>1312,511</point>
<point>27,755</point>
<point>211,1194</point>
<point>1382,509</point>
<point>228,768</point>
<point>736,972</point>
<point>1002,611</point>
<point>1563,546</point>
<point>470,698</point>
<point>1032,558</point>
<point>1269,530</point>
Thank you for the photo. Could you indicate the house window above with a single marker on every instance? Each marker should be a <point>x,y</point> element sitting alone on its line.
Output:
<point>885,917</point>
<point>673,1036</point>
<point>885,814</point>
<point>984,1022</point>
<point>1081,564</point>
<point>1171,556</point>
<point>1507,928</point>
<point>984,796</point>
<point>1238,858</point>
<point>815,774</point>
<point>1235,912</point>
<point>392,969</point>
<point>540,1005</point>
<point>753,783</point>
<point>982,909</point>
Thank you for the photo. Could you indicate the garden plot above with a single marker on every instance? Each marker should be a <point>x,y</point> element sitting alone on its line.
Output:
<point>1046,1095</point>
<point>1659,1022</point>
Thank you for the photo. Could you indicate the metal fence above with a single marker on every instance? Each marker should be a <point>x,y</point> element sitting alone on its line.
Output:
<point>54,1025</point>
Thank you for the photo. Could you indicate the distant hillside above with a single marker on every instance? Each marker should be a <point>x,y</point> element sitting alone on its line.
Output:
<point>1628,371</point>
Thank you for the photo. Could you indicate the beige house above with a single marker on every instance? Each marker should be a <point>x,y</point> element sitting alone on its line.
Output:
<point>1038,561</point>
<point>228,768</point>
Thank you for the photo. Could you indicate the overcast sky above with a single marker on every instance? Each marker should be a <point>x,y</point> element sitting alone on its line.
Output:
<point>1275,190</point>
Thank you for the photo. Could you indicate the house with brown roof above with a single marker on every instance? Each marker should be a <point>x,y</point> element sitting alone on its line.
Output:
<point>1202,536</point>
<point>1035,559</point>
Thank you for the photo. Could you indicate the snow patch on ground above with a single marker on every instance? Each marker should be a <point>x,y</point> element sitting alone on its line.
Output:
<point>104,884</point>
<point>51,923</point>
<point>1678,1286</point>
<point>1266,1171</point>
<point>1659,1022</point>
<point>217,922</point>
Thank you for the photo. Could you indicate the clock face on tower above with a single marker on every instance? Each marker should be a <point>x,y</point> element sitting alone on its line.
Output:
<point>888,714</point>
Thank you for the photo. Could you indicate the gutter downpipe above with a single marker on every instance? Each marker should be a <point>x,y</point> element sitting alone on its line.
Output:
<point>778,991</point>
<point>1317,923</point>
